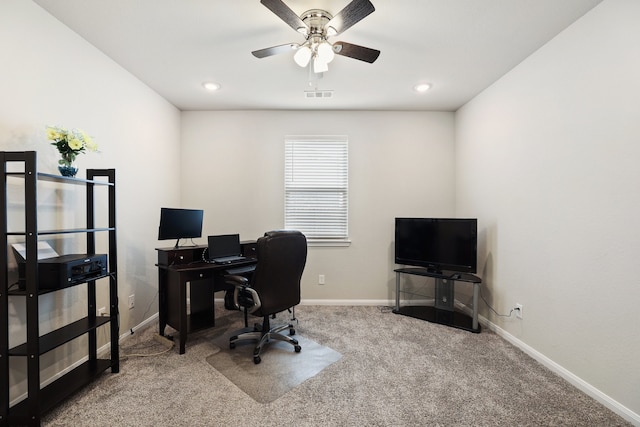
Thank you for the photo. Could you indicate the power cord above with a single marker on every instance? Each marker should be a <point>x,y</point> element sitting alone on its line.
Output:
<point>169,344</point>
<point>492,309</point>
<point>125,356</point>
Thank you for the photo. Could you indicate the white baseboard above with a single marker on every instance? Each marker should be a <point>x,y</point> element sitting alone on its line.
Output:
<point>139,326</point>
<point>573,379</point>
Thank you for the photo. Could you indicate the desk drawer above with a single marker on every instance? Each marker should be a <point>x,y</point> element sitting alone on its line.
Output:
<point>179,256</point>
<point>249,249</point>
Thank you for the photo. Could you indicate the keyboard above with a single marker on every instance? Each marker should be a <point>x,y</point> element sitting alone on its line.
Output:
<point>241,270</point>
<point>228,259</point>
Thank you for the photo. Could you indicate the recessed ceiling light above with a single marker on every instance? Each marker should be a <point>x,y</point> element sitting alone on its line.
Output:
<point>211,86</point>
<point>422,87</point>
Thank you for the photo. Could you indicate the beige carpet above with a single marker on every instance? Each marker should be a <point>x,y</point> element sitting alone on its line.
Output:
<point>280,370</point>
<point>394,371</point>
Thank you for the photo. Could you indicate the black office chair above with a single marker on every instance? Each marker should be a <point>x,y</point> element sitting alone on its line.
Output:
<point>274,287</point>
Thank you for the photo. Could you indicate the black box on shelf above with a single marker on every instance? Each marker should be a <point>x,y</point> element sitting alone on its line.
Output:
<point>66,270</point>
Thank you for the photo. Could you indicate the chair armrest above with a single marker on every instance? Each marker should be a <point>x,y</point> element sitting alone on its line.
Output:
<point>254,296</point>
<point>236,280</point>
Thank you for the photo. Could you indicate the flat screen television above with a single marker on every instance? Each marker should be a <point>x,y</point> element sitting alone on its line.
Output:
<point>180,224</point>
<point>437,244</point>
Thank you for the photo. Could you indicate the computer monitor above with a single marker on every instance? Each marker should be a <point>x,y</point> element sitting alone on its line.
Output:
<point>179,224</point>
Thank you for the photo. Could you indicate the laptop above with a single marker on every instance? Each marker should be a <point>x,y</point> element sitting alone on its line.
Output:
<point>225,249</point>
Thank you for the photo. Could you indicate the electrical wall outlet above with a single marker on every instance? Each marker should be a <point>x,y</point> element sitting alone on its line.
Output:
<point>132,301</point>
<point>321,279</point>
<point>102,311</point>
<point>518,310</point>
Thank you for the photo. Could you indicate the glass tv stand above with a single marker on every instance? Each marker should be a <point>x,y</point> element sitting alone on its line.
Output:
<point>440,309</point>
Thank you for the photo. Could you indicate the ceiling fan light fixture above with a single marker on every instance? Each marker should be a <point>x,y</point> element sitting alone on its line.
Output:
<point>317,25</point>
<point>302,56</point>
<point>319,66</point>
<point>325,52</point>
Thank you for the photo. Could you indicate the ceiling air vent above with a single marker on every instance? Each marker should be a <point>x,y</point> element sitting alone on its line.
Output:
<point>318,93</point>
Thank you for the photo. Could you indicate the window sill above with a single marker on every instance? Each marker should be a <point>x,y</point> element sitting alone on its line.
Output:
<point>329,243</point>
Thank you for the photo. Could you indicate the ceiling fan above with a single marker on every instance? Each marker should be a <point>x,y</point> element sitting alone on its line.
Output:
<point>317,26</point>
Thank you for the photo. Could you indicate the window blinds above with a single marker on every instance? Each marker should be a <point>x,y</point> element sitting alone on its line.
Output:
<point>316,186</point>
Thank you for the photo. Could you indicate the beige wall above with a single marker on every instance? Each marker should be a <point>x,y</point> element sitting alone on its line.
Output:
<point>547,158</point>
<point>400,164</point>
<point>51,76</point>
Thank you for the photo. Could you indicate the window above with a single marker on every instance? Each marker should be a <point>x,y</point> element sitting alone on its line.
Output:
<point>316,184</point>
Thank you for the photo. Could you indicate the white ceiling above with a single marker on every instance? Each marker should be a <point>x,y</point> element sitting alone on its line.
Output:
<point>459,46</point>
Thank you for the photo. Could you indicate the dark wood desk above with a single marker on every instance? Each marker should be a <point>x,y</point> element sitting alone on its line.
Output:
<point>178,267</point>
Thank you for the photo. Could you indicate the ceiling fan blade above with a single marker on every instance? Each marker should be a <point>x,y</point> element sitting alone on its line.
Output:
<point>285,13</point>
<point>357,52</point>
<point>275,50</point>
<point>351,14</point>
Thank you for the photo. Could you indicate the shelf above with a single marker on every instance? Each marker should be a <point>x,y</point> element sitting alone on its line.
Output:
<point>451,275</point>
<point>453,319</point>
<point>63,335</point>
<point>23,292</point>
<point>59,178</point>
<point>63,231</point>
<point>57,391</point>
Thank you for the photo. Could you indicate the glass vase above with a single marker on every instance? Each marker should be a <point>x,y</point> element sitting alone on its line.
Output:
<point>68,170</point>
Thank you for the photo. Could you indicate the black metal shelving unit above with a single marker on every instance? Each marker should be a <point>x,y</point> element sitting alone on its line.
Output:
<point>41,399</point>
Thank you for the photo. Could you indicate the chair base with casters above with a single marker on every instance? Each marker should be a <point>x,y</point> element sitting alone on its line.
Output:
<point>262,334</point>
